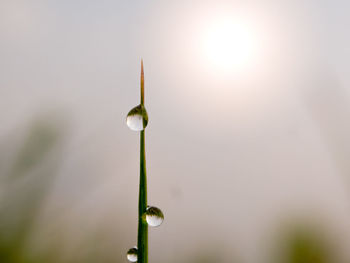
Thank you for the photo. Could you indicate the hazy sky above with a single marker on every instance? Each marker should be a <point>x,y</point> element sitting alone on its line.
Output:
<point>232,151</point>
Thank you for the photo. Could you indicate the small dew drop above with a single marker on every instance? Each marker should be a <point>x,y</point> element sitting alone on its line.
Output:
<point>137,118</point>
<point>154,216</point>
<point>132,254</point>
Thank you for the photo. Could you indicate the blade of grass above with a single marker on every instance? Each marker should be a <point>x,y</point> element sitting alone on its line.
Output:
<point>142,237</point>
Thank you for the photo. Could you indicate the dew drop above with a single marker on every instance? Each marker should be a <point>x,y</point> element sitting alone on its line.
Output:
<point>132,254</point>
<point>154,216</point>
<point>137,118</point>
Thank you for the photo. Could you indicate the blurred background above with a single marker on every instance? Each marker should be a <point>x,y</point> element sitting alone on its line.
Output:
<point>247,144</point>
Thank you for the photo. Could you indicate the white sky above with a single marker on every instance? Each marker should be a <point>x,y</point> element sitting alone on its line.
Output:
<point>229,153</point>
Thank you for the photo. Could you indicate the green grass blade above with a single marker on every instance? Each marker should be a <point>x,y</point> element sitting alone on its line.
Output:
<point>142,237</point>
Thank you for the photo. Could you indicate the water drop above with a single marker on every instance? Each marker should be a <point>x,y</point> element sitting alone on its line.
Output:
<point>132,254</point>
<point>137,118</point>
<point>154,216</point>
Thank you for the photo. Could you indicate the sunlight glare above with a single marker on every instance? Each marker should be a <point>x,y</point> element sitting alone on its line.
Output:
<point>229,45</point>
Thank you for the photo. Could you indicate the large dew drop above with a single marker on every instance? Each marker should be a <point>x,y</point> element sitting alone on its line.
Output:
<point>154,216</point>
<point>137,118</point>
<point>132,254</point>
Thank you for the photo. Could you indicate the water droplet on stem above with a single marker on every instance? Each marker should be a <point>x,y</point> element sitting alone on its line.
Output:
<point>154,216</point>
<point>132,254</point>
<point>137,118</point>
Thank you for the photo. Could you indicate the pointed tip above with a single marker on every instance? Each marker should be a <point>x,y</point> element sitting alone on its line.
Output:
<point>142,83</point>
<point>141,66</point>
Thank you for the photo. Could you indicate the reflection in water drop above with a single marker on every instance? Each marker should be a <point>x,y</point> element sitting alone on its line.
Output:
<point>132,254</point>
<point>137,118</point>
<point>154,216</point>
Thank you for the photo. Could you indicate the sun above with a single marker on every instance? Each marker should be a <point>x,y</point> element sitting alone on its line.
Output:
<point>229,45</point>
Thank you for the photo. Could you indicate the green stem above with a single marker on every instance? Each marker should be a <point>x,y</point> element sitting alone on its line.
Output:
<point>142,237</point>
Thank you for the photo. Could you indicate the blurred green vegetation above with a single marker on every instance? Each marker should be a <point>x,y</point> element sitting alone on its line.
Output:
<point>303,244</point>
<point>24,188</point>
<point>26,184</point>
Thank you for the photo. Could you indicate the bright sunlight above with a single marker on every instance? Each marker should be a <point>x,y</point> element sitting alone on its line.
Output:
<point>229,45</point>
